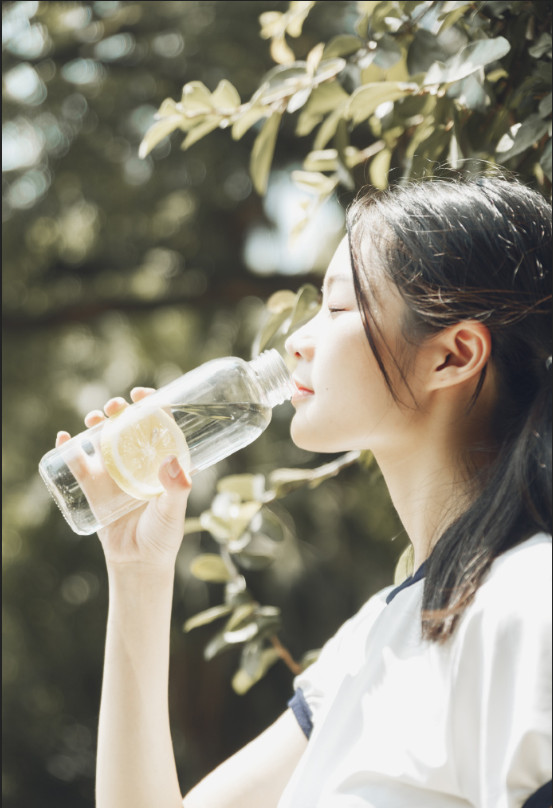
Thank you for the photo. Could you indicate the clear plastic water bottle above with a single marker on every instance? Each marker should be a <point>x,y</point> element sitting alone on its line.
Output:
<point>202,417</point>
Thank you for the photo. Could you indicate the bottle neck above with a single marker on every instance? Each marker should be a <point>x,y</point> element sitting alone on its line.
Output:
<point>273,377</point>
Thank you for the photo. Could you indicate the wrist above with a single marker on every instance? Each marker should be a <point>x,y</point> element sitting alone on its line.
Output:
<point>138,575</point>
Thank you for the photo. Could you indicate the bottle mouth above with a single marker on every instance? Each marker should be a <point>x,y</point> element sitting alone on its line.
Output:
<point>271,369</point>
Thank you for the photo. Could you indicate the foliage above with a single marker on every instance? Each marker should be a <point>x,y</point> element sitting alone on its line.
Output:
<point>247,529</point>
<point>417,83</point>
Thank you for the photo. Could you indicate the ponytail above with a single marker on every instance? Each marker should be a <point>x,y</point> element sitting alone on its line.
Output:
<point>515,503</point>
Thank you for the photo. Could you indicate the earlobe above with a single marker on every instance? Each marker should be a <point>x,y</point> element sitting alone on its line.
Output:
<point>461,352</point>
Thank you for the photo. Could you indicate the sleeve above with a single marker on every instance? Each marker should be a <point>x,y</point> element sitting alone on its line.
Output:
<point>501,690</point>
<point>315,686</point>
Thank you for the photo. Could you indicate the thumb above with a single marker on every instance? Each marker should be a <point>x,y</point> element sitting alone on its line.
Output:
<point>177,484</point>
<point>173,477</point>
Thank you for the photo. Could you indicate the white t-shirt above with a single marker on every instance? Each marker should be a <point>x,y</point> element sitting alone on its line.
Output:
<point>399,722</point>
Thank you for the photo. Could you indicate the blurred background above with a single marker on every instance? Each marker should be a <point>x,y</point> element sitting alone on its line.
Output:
<point>119,271</point>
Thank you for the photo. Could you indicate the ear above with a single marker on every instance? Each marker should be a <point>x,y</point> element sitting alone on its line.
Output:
<point>458,354</point>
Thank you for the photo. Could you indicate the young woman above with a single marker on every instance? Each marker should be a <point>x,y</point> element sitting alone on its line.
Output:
<point>433,350</point>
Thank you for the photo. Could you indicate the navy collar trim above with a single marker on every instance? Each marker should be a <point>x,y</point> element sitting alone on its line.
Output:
<point>418,575</point>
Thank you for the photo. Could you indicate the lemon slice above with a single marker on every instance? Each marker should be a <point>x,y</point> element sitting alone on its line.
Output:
<point>134,443</point>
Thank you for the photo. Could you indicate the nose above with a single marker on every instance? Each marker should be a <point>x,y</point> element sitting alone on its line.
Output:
<point>300,344</point>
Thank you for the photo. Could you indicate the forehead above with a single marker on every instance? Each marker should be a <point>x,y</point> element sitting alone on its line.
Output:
<point>340,264</point>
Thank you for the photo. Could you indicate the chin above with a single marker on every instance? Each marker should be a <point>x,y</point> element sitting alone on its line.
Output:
<point>310,442</point>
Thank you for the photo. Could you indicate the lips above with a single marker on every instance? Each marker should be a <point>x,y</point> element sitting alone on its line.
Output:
<point>302,390</point>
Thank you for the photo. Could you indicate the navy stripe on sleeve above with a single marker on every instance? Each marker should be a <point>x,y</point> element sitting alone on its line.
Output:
<point>302,711</point>
<point>540,798</point>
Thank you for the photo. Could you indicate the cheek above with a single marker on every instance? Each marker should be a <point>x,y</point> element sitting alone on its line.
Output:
<point>346,364</point>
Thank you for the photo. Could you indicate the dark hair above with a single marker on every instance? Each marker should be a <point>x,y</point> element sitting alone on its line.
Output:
<point>478,249</point>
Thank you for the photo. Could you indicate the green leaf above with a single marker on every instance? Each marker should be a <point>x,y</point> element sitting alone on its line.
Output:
<point>388,53</point>
<point>226,528</point>
<point>168,107</point>
<point>379,168</point>
<point>196,98</point>
<point>424,50</point>
<point>282,82</point>
<point>240,614</point>
<point>272,22</point>
<point>470,59</point>
<point>309,658</point>
<point>328,127</point>
<point>225,96</point>
<point>262,152</point>
<point>246,486</point>
<point>315,182</point>
<point>451,13</point>
<point>342,45</point>
<point>243,680</point>
<point>157,133</point>
<point>307,304</point>
<point>325,98</point>
<point>470,93</point>
<point>368,97</point>
<point>328,69</point>
<point>242,634</point>
<point>270,330</point>
<point>207,616</point>
<point>405,565</point>
<point>216,646</point>
<point>210,567</point>
<point>192,525</point>
<point>201,130</point>
<point>289,479</point>
<point>528,134</point>
<point>321,160</point>
<point>545,106</point>
<point>296,16</point>
<point>247,119</point>
<point>281,301</point>
<point>541,47</point>
<point>545,161</point>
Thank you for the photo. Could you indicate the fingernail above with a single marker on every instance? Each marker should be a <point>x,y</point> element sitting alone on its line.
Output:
<point>173,468</point>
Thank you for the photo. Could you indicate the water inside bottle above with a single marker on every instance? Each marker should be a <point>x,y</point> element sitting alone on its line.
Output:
<point>215,430</point>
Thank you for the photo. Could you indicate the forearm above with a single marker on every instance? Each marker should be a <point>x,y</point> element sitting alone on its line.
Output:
<point>136,766</point>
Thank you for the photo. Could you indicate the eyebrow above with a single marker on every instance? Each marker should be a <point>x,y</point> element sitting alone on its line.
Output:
<point>328,282</point>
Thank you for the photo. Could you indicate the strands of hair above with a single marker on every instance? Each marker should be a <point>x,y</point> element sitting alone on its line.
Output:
<point>475,248</point>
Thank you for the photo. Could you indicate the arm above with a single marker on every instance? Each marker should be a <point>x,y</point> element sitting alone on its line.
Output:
<point>136,766</point>
<point>256,775</point>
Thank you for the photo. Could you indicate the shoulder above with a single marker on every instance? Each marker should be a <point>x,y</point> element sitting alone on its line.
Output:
<point>512,607</point>
<point>521,577</point>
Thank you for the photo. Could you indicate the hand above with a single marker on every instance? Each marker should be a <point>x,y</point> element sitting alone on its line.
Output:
<point>152,534</point>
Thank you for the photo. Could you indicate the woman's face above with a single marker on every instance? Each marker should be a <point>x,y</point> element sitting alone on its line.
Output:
<point>343,402</point>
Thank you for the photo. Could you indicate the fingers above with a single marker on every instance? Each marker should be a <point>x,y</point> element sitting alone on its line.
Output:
<point>61,438</point>
<point>115,405</point>
<point>94,417</point>
<point>138,393</point>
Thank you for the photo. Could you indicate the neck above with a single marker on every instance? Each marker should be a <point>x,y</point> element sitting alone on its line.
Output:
<point>428,494</point>
<point>429,479</point>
